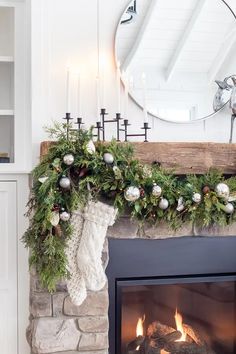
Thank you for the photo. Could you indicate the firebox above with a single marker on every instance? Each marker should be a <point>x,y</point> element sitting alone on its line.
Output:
<point>177,315</point>
<point>172,296</point>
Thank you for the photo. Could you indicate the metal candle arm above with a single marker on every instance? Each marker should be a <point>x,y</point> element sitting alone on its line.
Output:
<point>100,126</point>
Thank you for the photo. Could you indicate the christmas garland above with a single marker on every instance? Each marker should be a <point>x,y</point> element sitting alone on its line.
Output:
<point>74,171</point>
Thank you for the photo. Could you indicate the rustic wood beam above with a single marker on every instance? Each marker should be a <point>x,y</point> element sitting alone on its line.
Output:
<point>183,158</point>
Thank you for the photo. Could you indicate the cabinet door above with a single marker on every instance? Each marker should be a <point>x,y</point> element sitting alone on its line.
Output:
<point>8,268</point>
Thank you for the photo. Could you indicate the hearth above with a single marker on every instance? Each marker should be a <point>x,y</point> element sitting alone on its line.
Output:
<point>173,296</point>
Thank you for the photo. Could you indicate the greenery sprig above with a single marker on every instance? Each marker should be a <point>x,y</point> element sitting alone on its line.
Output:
<point>194,198</point>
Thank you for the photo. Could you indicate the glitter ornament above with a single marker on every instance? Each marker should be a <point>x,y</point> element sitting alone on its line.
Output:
<point>163,204</point>
<point>64,182</point>
<point>68,159</point>
<point>108,158</point>
<point>229,208</point>
<point>197,197</point>
<point>64,216</point>
<point>156,190</point>
<point>180,206</point>
<point>132,194</point>
<point>222,190</point>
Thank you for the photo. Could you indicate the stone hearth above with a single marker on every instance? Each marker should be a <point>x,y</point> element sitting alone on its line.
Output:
<point>58,326</point>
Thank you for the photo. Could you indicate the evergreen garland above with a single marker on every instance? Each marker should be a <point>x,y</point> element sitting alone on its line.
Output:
<point>92,178</point>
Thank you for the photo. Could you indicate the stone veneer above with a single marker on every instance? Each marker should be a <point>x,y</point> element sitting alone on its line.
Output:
<point>58,326</point>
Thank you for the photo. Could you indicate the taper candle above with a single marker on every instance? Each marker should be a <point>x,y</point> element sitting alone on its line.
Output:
<point>118,86</point>
<point>98,97</point>
<point>144,85</point>
<point>68,90</point>
<point>78,96</point>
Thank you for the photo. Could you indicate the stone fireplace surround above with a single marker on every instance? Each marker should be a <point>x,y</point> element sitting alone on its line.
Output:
<point>58,326</point>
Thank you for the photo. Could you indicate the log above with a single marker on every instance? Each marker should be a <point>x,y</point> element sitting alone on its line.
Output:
<point>157,330</point>
<point>183,158</point>
<point>193,334</point>
<point>185,348</point>
<point>135,343</point>
<point>170,337</point>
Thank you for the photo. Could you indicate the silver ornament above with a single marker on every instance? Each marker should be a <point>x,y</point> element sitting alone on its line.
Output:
<point>64,182</point>
<point>55,218</point>
<point>156,190</point>
<point>180,206</point>
<point>42,179</point>
<point>163,204</point>
<point>132,194</point>
<point>64,216</point>
<point>197,197</point>
<point>90,147</point>
<point>222,190</point>
<point>68,159</point>
<point>108,158</point>
<point>229,208</point>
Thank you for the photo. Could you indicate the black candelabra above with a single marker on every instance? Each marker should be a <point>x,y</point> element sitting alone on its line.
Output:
<point>101,126</point>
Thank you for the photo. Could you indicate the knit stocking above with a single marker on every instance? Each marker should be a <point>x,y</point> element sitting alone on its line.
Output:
<point>97,218</point>
<point>75,284</point>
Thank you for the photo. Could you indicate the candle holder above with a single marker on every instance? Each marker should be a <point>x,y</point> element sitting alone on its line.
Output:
<point>118,129</point>
<point>79,123</point>
<point>99,129</point>
<point>68,118</point>
<point>103,114</point>
<point>145,127</point>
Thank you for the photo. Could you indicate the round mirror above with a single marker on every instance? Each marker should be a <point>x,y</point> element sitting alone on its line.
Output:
<point>177,57</point>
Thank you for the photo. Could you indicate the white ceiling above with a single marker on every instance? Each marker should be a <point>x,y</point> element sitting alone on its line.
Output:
<point>192,36</point>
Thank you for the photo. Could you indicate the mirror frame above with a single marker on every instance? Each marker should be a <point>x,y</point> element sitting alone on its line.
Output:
<point>140,105</point>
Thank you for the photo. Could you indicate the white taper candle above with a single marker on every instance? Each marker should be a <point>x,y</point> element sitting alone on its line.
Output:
<point>68,90</point>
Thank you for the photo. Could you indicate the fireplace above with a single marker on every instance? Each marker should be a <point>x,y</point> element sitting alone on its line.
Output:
<point>173,296</point>
<point>177,315</point>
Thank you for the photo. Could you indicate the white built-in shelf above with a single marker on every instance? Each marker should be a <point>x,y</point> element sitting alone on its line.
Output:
<point>6,112</point>
<point>6,59</point>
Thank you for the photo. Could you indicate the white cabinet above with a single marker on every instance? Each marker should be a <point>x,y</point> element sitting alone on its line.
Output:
<point>8,268</point>
<point>15,134</point>
<point>14,280</point>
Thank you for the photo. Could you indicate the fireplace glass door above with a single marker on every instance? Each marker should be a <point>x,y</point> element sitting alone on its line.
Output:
<point>184,315</point>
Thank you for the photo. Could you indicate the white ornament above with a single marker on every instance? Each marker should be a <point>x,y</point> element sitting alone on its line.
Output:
<point>55,218</point>
<point>68,159</point>
<point>90,147</point>
<point>132,194</point>
<point>163,204</point>
<point>108,158</point>
<point>229,208</point>
<point>156,190</point>
<point>64,216</point>
<point>43,179</point>
<point>222,190</point>
<point>64,182</point>
<point>180,206</point>
<point>197,197</point>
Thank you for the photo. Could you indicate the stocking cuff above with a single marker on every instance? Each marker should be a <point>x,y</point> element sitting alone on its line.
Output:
<point>100,213</point>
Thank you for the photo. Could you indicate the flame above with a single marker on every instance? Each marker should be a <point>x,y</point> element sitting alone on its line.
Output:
<point>139,328</point>
<point>179,326</point>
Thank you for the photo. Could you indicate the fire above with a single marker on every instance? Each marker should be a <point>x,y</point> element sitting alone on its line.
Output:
<point>179,326</point>
<point>139,328</point>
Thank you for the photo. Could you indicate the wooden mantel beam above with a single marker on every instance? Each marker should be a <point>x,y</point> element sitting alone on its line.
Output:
<point>184,158</point>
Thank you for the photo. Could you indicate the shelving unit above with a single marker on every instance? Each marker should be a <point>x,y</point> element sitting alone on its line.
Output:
<point>7,84</point>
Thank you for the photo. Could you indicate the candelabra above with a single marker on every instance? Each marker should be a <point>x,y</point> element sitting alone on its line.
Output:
<point>101,126</point>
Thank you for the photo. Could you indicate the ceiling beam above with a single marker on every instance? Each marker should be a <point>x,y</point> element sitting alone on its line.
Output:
<point>139,37</point>
<point>222,56</point>
<point>184,39</point>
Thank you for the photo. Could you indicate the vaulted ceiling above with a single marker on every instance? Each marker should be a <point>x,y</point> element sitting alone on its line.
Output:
<point>191,36</point>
